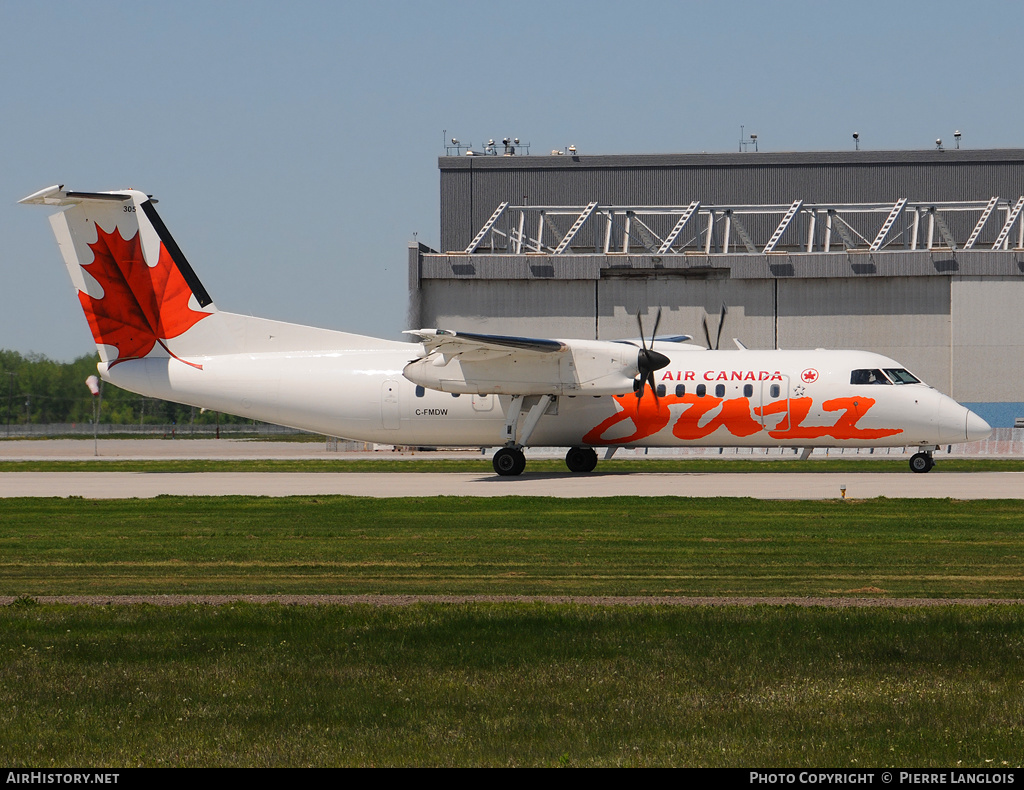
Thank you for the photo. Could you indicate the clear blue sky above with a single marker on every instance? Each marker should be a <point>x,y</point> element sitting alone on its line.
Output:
<point>293,146</point>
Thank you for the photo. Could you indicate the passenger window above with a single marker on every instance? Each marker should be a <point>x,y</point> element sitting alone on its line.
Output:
<point>720,391</point>
<point>774,390</point>
<point>680,390</point>
<point>456,394</point>
<point>419,391</point>
<point>661,390</point>
<point>748,390</point>
<point>701,390</point>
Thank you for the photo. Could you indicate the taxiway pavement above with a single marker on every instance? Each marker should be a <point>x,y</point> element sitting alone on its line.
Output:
<point>777,485</point>
<point>142,485</point>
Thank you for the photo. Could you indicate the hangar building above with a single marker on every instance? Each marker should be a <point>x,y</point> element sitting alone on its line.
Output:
<point>918,255</point>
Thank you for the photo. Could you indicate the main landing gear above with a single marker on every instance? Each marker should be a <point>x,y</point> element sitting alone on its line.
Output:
<point>922,462</point>
<point>509,461</point>
<point>581,459</point>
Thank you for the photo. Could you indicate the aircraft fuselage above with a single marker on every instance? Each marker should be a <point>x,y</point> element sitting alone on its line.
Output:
<point>706,398</point>
<point>158,333</point>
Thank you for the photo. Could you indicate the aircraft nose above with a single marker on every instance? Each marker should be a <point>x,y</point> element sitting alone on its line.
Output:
<point>977,429</point>
<point>957,423</point>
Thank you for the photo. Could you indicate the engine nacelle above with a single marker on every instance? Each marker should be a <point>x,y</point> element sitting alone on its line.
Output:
<point>582,368</point>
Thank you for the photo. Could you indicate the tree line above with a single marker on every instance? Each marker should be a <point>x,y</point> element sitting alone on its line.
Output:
<point>38,390</point>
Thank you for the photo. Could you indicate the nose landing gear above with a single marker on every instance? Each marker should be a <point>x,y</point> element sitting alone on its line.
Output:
<point>922,462</point>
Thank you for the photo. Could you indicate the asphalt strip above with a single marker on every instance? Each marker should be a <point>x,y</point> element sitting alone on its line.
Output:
<point>777,485</point>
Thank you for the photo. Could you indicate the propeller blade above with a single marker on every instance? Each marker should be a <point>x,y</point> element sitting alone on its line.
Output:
<point>654,390</point>
<point>647,361</point>
<point>707,334</point>
<point>640,327</point>
<point>654,332</point>
<point>721,323</point>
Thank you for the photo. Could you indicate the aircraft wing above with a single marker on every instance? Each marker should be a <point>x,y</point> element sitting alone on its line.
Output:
<point>468,345</point>
<point>465,362</point>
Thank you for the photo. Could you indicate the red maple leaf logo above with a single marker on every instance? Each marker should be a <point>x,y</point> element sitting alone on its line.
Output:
<point>141,305</point>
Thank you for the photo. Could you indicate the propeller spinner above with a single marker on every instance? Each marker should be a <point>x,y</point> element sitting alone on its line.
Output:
<point>648,360</point>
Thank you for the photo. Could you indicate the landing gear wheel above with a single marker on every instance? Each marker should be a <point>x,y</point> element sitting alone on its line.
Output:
<point>509,462</point>
<point>581,459</point>
<point>921,462</point>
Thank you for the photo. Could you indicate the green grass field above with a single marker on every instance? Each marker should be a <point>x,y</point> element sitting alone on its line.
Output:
<point>512,545</point>
<point>501,685</point>
<point>511,684</point>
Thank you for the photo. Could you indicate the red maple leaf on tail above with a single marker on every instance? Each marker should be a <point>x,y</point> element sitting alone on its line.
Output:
<point>141,305</point>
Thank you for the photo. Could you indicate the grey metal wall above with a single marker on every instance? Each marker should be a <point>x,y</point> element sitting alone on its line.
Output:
<point>906,318</point>
<point>987,338</point>
<point>963,335</point>
<point>472,187</point>
<point>954,318</point>
<point>552,308</point>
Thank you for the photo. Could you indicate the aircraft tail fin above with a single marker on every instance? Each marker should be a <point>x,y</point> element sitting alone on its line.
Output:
<point>141,296</point>
<point>135,286</point>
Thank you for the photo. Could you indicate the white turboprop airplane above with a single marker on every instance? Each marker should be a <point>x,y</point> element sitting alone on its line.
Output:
<point>159,335</point>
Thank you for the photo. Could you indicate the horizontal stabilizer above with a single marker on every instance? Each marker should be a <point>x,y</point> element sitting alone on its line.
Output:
<point>57,196</point>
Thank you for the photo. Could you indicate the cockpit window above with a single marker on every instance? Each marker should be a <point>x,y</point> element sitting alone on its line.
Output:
<point>901,376</point>
<point>869,376</point>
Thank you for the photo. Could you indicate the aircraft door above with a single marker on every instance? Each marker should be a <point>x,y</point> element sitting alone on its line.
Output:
<point>483,402</point>
<point>390,414</point>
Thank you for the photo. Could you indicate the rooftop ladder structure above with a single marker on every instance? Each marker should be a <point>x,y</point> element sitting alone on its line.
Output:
<point>487,227</point>
<point>1004,234</point>
<point>674,233</point>
<point>697,228</point>
<point>981,222</point>
<point>580,220</point>
<point>786,219</point>
<point>935,218</point>
<point>889,221</point>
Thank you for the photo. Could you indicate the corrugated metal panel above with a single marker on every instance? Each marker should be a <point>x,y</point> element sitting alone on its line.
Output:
<point>722,178</point>
<point>684,304</point>
<point>559,309</point>
<point>988,338</point>
<point>456,209</point>
<point>952,318</point>
<point>737,267</point>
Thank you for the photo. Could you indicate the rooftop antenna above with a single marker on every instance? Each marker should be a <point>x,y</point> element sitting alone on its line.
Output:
<point>747,140</point>
<point>456,145</point>
<point>956,136</point>
<point>856,141</point>
<point>938,144</point>
<point>512,143</point>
